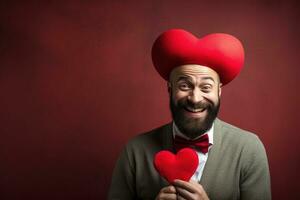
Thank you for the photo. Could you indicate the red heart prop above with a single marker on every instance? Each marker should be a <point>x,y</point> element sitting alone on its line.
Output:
<point>222,52</point>
<point>180,166</point>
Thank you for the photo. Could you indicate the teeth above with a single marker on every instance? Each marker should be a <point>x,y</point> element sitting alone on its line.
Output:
<point>195,110</point>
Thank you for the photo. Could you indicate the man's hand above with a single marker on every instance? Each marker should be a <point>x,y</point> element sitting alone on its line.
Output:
<point>168,193</point>
<point>189,190</point>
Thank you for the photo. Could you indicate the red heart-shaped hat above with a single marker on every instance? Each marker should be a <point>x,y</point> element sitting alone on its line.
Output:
<point>219,51</point>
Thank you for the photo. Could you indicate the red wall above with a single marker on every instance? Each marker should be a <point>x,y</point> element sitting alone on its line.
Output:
<point>76,82</point>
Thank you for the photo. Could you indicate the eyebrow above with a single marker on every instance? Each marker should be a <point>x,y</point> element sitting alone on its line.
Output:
<point>184,78</point>
<point>208,78</point>
<point>190,79</point>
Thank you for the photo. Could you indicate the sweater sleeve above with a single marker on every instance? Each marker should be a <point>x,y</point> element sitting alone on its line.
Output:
<point>255,176</point>
<point>123,178</point>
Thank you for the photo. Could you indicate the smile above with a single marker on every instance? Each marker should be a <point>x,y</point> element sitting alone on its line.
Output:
<point>194,110</point>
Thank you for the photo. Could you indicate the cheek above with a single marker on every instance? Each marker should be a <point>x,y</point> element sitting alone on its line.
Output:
<point>177,95</point>
<point>213,97</point>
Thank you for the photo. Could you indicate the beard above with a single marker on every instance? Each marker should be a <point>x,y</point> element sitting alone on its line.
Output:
<point>190,126</point>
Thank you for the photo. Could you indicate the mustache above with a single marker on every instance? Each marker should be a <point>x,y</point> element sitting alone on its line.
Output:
<point>198,105</point>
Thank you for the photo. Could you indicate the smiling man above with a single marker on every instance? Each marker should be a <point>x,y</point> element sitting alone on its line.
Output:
<point>232,162</point>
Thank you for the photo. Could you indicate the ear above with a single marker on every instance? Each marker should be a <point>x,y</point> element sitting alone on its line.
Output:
<point>169,87</point>
<point>220,89</point>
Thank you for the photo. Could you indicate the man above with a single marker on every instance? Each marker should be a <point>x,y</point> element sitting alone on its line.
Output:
<point>234,164</point>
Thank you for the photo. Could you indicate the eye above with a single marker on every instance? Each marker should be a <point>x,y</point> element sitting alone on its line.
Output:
<point>206,88</point>
<point>184,86</point>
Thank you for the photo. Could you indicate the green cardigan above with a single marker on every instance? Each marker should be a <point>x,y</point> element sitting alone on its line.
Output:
<point>237,166</point>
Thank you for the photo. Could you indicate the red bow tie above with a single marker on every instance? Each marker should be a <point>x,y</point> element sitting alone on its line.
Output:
<point>201,143</point>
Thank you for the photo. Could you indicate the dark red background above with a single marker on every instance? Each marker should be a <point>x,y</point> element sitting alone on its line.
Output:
<point>76,82</point>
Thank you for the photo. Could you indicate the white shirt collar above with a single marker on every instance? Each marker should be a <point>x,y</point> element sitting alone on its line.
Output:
<point>210,133</point>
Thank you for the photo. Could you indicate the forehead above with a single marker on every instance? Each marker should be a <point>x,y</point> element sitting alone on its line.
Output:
<point>193,71</point>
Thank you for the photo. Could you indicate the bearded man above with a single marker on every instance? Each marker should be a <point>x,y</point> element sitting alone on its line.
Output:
<point>233,165</point>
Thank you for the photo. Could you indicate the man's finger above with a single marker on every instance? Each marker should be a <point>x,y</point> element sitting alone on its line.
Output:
<point>180,198</point>
<point>169,189</point>
<point>167,196</point>
<point>167,193</point>
<point>191,187</point>
<point>184,193</point>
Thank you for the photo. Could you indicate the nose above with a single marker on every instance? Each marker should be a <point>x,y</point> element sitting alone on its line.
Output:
<point>195,96</point>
